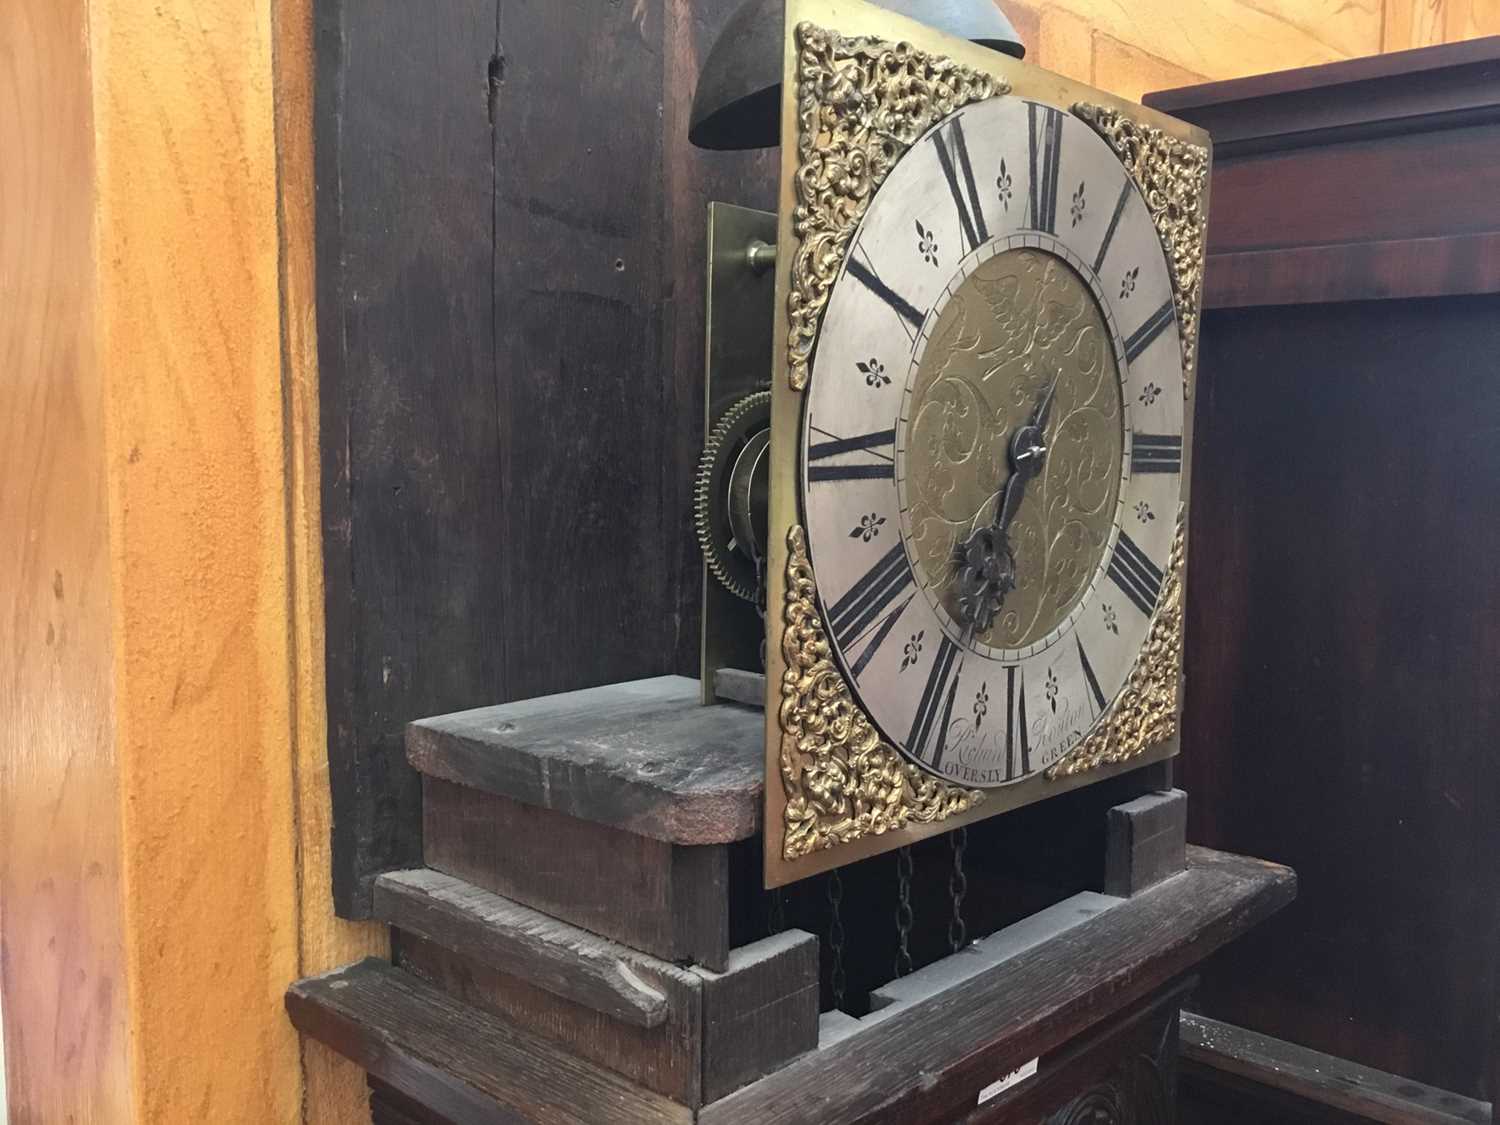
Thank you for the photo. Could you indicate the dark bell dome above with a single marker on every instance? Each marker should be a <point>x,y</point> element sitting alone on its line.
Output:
<point>738,100</point>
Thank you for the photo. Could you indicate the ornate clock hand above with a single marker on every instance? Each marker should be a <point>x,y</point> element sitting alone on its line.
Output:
<point>1028,449</point>
<point>986,563</point>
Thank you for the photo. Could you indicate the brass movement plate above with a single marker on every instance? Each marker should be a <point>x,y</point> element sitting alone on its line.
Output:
<point>738,362</point>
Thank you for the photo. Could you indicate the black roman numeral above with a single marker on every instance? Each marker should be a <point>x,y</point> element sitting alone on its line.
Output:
<point>1088,674</point>
<point>953,155</point>
<point>1136,575</point>
<point>936,706</point>
<point>872,646</point>
<point>1141,338</point>
<point>1015,722</point>
<point>1114,222</point>
<point>1156,453</point>
<point>910,315</point>
<point>884,468</point>
<point>1046,154</point>
<point>852,614</point>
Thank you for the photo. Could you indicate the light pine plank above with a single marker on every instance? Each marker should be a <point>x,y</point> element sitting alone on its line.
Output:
<point>1131,71</point>
<point>1214,38</point>
<point>1348,27</point>
<point>1413,23</point>
<point>66,1020</point>
<point>336,1093</point>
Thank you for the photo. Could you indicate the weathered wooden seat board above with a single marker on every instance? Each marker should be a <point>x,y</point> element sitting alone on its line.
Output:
<point>644,756</point>
<point>611,808</point>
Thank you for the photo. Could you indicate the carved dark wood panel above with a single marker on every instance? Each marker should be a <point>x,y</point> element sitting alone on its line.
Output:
<point>1135,1093</point>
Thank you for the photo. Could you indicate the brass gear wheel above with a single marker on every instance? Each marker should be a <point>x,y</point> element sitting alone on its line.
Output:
<point>724,494</point>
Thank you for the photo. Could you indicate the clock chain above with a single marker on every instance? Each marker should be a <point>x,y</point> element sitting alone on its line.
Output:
<point>903,910</point>
<point>958,888</point>
<point>836,936</point>
<point>776,921</point>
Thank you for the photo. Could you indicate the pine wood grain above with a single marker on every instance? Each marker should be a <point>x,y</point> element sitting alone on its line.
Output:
<point>1425,23</point>
<point>335,1089</point>
<point>65,993</point>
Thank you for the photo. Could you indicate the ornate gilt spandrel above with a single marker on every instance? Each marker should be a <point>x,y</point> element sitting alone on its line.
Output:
<point>1172,175</point>
<point>1144,714</point>
<point>843,781</point>
<point>861,103</point>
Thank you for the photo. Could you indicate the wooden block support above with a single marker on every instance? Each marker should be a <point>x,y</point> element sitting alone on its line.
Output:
<point>645,757</point>
<point>1147,842</point>
<point>610,808</point>
<point>721,1030</point>
<point>664,899</point>
<point>760,1013</point>
<point>572,963</point>
<point>736,686</point>
<point>1025,1006</point>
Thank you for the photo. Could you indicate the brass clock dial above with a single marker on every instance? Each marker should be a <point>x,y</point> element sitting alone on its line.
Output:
<point>987,295</point>
<point>991,443</point>
<point>1021,330</point>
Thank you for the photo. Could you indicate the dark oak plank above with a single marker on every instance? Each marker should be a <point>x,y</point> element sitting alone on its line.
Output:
<point>1212,1050</point>
<point>575,964</point>
<point>389,1106</point>
<point>760,1012</point>
<point>1343,702</point>
<point>721,1030</point>
<point>463,1064</point>
<point>643,756</point>
<point>662,899</point>
<point>1355,271</point>
<point>888,1071</point>
<point>407,401</point>
<point>667,1058</point>
<point>584,403</point>
<point>511,230</point>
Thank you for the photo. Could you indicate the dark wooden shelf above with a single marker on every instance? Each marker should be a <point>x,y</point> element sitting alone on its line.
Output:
<point>1039,998</point>
<point>1029,1005</point>
<point>1226,1057</point>
<point>460,1062</point>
